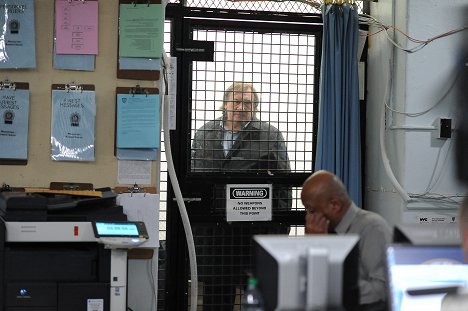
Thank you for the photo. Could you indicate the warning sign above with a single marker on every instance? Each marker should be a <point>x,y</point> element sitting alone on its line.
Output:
<point>247,202</point>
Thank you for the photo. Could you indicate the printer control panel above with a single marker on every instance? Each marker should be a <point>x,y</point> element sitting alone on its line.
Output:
<point>120,234</point>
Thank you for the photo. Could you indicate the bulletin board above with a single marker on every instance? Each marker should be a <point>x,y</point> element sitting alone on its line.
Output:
<point>40,169</point>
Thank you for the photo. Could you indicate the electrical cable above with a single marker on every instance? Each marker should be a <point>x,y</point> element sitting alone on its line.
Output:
<point>409,197</point>
<point>436,175</point>
<point>429,196</point>
<point>177,191</point>
<point>417,114</point>
<point>437,197</point>
<point>383,150</point>
<point>312,3</point>
<point>372,21</point>
<point>435,179</point>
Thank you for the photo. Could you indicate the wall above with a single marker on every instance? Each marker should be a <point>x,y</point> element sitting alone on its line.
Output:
<point>423,81</point>
<point>41,170</point>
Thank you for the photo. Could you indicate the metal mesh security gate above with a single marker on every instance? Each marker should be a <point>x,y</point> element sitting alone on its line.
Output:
<point>287,6</point>
<point>282,65</point>
<point>280,57</point>
<point>282,68</point>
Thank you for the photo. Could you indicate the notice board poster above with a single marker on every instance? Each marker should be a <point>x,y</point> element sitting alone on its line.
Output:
<point>248,202</point>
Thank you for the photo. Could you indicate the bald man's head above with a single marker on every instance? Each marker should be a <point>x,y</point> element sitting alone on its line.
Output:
<point>324,193</point>
<point>324,184</point>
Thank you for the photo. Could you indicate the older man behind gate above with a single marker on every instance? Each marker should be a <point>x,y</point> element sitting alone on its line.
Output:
<point>236,142</point>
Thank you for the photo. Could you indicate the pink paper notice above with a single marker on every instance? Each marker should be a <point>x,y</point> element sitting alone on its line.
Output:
<point>76,27</point>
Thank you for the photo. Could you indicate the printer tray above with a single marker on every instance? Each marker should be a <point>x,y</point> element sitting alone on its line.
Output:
<point>21,206</point>
<point>38,296</point>
<point>83,296</point>
<point>31,296</point>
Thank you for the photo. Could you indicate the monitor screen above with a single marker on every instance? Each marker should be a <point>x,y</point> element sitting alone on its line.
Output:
<point>116,229</point>
<point>428,234</point>
<point>299,273</point>
<point>421,275</point>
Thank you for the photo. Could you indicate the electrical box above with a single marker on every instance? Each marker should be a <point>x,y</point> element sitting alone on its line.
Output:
<point>445,128</point>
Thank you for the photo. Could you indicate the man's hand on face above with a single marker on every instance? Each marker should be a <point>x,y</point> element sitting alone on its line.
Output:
<point>316,223</point>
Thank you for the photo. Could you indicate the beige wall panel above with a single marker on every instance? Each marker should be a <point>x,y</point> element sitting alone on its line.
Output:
<point>41,169</point>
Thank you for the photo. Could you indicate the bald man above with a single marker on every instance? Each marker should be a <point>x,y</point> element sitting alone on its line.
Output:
<point>330,209</point>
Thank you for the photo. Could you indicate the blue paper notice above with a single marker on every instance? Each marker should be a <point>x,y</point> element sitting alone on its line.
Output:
<point>14,113</point>
<point>17,35</point>
<point>137,154</point>
<point>138,121</point>
<point>134,63</point>
<point>73,118</point>
<point>74,61</point>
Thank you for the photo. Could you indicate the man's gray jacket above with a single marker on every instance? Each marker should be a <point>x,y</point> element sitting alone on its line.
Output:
<point>259,147</point>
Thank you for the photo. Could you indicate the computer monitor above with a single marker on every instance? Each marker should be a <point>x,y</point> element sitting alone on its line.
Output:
<point>419,276</point>
<point>307,272</point>
<point>427,234</point>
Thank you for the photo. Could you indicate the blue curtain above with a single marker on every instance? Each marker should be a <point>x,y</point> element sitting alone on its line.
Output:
<point>338,140</point>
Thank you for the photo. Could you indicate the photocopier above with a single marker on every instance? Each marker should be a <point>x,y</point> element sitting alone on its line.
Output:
<point>64,253</point>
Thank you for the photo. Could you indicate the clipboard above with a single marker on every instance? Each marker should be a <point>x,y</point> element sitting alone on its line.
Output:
<point>129,90</point>
<point>137,253</point>
<point>73,87</point>
<point>59,185</point>
<point>6,84</point>
<point>73,119</point>
<point>135,74</point>
<point>134,189</point>
<point>137,89</point>
<point>14,85</point>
